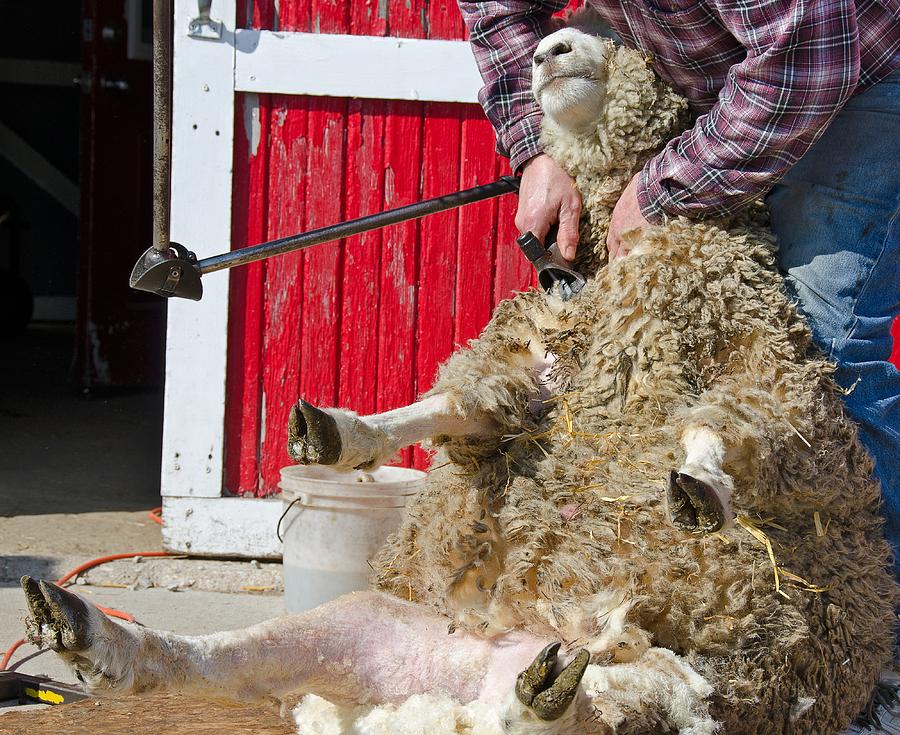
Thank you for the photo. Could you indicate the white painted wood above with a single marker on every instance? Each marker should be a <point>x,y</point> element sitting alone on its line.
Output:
<point>207,75</point>
<point>355,66</point>
<point>222,526</point>
<point>202,145</point>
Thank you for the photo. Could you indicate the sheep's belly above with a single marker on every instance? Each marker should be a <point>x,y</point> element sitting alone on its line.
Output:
<point>387,658</point>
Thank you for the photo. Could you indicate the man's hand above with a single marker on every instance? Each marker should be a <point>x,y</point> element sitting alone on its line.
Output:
<point>626,216</point>
<point>547,195</point>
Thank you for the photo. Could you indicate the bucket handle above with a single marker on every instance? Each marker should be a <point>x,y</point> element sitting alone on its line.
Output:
<point>286,510</point>
<point>301,498</point>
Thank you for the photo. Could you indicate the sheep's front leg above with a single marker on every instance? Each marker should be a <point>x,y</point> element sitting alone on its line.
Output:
<point>345,440</point>
<point>493,387</point>
<point>338,437</point>
<point>103,654</point>
<point>699,496</point>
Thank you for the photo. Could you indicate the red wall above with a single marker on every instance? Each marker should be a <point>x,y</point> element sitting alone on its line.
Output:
<point>363,323</point>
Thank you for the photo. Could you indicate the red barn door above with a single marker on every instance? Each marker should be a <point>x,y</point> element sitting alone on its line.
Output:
<point>363,323</point>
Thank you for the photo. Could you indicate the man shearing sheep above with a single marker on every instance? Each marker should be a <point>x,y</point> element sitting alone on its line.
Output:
<point>797,101</point>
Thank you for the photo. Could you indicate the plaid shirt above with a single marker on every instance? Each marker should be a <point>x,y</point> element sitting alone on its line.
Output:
<point>763,77</point>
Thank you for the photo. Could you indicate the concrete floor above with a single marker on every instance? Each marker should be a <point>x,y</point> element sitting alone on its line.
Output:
<point>78,473</point>
<point>65,451</point>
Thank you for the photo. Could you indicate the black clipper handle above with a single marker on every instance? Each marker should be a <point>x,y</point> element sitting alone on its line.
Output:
<point>551,272</point>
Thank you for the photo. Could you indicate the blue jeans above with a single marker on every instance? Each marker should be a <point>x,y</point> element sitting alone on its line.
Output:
<point>837,217</point>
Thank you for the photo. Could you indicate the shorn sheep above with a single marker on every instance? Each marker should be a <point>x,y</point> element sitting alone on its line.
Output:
<point>656,517</point>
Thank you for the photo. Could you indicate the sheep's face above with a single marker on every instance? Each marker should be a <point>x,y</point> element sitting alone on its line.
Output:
<point>569,73</point>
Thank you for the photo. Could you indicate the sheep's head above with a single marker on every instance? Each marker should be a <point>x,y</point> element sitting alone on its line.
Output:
<point>569,74</point>
<point>605,114</point>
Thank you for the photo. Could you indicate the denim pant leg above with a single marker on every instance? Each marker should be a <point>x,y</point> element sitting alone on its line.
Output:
<point>836,217</point>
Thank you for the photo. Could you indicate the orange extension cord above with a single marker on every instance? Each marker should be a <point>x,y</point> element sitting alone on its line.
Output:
<point>156,516</point>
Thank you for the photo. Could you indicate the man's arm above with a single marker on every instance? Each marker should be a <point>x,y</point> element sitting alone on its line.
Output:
<point>503,37</point>
<point>801,67</point>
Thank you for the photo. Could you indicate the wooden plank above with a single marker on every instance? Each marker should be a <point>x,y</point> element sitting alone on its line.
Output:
<point>292,16</point>
<point>339,65</point>
<point>288,156</point>
<point>284,283</point>
<point>31,163</point>
<point>197,332</point>
<point>222,526</point>
<point>512,270</point>
<point>396,339</point>
<point>438,234</point>
<point>148,714</point>
<point>364,194</point>
<point>322,265</point>
<point>400,252</point>
<point>362,258</point>
<point>245,330</point>
<point>437,259</point>
<point>444,20</point>
<point>396,347</point>
<point>407,19</point>
<point>368,18</point>
<point>477,231</point>
<point>326,127</point>
<point>440,174</point>
<point>243,403</point>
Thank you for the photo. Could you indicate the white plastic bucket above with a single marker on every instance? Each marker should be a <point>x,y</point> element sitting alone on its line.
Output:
<point>334,523</point>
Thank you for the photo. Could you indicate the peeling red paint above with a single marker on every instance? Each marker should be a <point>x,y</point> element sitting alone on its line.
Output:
<point>364,323</point>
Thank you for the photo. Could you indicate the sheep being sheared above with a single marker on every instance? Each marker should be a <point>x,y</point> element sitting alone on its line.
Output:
<point>600,450</point>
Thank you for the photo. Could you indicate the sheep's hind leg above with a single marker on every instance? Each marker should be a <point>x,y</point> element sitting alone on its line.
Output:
<point>338,437</point>
<point>546,694</point>
<point>699,494</point>
<point>100,652</point>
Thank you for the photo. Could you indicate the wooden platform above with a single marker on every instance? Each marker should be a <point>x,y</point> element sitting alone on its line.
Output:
<point>150,714</point>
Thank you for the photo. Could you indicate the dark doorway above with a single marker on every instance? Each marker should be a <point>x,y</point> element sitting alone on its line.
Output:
<point>82,368</point>
<point>120,335</point>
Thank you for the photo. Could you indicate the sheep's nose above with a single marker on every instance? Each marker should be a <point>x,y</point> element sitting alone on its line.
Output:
<point>558,49</point>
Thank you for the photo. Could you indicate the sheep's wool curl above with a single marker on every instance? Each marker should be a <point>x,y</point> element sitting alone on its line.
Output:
<point>558,524</point>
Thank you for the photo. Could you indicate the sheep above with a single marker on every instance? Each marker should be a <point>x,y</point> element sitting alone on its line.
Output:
<point>656,517</point>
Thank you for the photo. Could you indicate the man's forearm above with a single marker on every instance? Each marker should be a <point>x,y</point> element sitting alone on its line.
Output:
<point>802,65</point>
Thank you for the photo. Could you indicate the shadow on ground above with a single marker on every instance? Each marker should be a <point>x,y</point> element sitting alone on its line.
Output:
<point>41,567</point>
<point>64,451</point>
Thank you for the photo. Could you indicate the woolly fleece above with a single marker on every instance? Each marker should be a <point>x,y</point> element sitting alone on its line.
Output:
<point>557,523</point>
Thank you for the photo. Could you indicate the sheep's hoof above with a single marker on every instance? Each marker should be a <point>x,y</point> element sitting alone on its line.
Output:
<point>313,436</point>
<point>549,696</point>
<point>58,618</point>
<point>694,505</point>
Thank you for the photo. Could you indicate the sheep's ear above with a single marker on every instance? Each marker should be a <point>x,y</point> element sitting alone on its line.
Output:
<point>587,20</point>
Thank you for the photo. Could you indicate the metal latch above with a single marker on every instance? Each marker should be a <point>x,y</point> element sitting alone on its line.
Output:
<point>203,26</point>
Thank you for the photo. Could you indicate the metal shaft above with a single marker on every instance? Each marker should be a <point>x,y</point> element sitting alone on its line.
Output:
<point>162,120</point>
<point>504,185</point>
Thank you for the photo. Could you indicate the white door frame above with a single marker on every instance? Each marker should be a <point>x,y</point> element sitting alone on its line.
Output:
<point>207,74</point>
